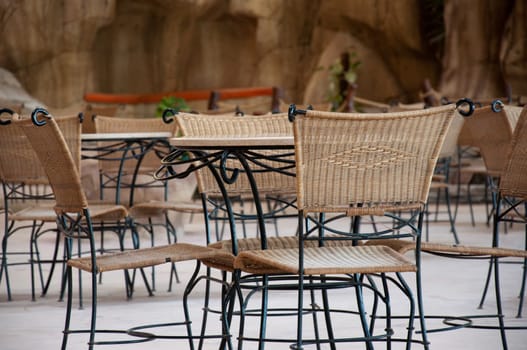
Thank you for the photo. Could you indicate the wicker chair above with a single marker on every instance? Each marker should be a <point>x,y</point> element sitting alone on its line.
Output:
<point>511,206</point>
<point>153,209</point>
<point>490,133</point>
<point>354,165</point>
<point>77,219</point>
<point>28,199</point>
<point>512,193</point>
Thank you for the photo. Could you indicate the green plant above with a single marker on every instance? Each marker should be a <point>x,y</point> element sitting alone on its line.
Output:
<point>342,74</point>
<point>176,103</point>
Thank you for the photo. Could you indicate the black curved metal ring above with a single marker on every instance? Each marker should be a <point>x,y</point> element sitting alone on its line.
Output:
<point>223,170</point>
<point>497,105</point>
<point>39,111</point>
<point>471,107</point>
<point>165,115</point>
<point>291,112</point>
<point>8,111</point>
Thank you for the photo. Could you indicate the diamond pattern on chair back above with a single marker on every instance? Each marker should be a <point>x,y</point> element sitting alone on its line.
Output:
<point>367,163</point>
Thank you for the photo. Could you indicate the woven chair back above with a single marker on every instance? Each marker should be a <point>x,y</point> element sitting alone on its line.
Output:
<point>370,163</point>
<point>491,132</point>
<point>60,165</point>
<point>150,161</point>
<point>513,181</point>
<point>513,114</point>
<point>449,148</point>
<point>20,164</point>
<point>90,112</point>
<point>200,125</point>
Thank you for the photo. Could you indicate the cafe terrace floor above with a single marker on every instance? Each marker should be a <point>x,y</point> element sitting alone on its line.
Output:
<point>451,287</point>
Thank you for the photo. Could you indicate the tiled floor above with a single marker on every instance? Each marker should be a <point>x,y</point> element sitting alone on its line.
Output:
<point>451,287</point>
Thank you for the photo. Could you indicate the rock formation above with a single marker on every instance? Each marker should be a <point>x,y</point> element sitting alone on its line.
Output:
<point>59,50</point>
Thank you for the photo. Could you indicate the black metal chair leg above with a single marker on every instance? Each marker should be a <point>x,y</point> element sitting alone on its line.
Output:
<point>4,265</point>
<point>65,333</point>
<point>499,309</point>
<point>451,217</point>
<point>329,325</point>
<point>420,305</point>
<point>264,310</point>
<point>54,262</point>
<point>362,313</point>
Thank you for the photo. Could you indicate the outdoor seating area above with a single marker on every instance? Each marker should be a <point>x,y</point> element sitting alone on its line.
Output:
<point>244,260</point>
<point>263,175</point>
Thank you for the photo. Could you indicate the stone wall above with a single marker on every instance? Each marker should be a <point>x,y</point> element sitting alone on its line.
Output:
<point>59,50</point>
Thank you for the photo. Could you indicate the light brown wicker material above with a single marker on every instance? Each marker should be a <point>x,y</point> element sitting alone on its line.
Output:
<point>359,164</point>
<point>34,212</point>
<point>127,125</point>
<point>404,246</point>
<point>59,164</point>
<point>491,132</point>
<point>325,260</point>
<point>281,242</point>
<point>513,114</point>
<point>364,164</point>
<point>449,148</point>
<point>154,208</point>
<point>146,257</point>
<point>20,164</point>
<point>513,181</point>
<point>18,161</point>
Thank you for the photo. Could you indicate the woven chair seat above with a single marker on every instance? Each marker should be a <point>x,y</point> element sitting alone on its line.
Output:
<point>325,260</point>
<point>152,208</point>
<point>280,242</point>
<point>34,213</point>
<point>108,211</point>
<point>99,211</point>
<point>403,246</point>
<point>244,244</point>
<point>146,257</point>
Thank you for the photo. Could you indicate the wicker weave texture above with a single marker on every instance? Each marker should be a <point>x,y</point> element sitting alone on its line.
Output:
<point>404,246</point>
<point>325,260</point>
<point>269,182</point>
<point>513,181</point>
<point>513,114</point>
<point>449,148</point>
<point>58,162</point>
<point>20,164</point>
<point>148,257</point>
<point>491,132</point>
<point>367,163</point>
<point>129,125</point>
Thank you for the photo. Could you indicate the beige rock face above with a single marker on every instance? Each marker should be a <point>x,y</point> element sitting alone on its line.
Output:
<point>61,49</point>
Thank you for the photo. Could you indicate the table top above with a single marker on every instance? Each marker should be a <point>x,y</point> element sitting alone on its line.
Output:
<point>213,142</point>
<point>120,136</point>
